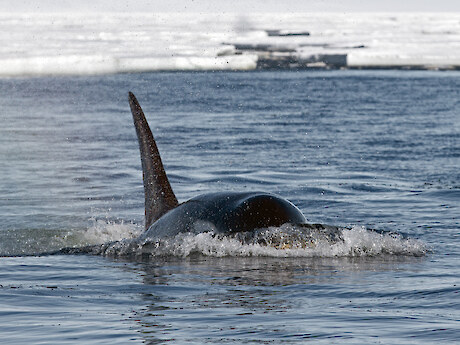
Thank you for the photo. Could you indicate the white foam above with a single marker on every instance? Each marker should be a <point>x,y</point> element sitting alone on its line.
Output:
<point>274,242</point>
<point>359,241</point>
<point>122,239</point>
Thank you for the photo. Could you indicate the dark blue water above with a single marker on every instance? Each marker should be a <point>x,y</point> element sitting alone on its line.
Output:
<point>349,148</point>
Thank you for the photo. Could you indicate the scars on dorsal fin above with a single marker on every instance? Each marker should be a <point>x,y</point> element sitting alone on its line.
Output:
<point>159,196</point>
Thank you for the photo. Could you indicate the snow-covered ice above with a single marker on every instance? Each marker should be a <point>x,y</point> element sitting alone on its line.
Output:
<point>49,44</point>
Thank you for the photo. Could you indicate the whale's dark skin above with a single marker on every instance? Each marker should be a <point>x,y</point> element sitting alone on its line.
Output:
<point>222,213</point>
<point>226,212</point>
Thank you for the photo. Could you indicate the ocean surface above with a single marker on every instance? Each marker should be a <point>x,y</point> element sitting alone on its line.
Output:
<point>358,149</point>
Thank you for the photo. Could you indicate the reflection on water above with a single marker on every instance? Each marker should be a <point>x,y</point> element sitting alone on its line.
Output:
<point>258,271</point>
<point>259,299</point>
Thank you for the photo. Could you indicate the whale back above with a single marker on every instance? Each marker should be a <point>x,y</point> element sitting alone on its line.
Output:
<point>226,213</point>
<point>159,196</point>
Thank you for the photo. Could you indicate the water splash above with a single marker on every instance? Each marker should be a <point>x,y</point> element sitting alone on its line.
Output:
<point>109,238</point>
<point>103,231</point>
<point>285,241</point>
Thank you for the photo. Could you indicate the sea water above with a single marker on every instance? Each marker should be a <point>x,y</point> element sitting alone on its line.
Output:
<point>357,149</point>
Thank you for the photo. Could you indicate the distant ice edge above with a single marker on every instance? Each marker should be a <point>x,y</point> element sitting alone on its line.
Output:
<point>101,65</point>
<point>95,65</point>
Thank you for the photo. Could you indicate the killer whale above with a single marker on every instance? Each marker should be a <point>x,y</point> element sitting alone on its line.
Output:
<point>221,212</point>
<point>252,218</point>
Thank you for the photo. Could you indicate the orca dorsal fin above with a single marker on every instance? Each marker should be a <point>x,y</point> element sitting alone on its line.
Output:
<point>159,196</point>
